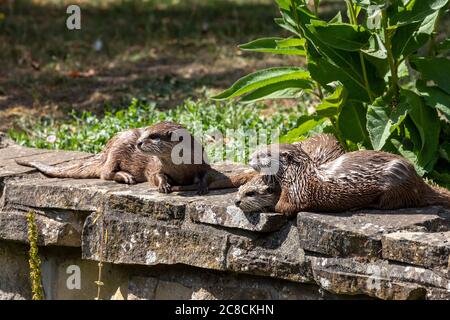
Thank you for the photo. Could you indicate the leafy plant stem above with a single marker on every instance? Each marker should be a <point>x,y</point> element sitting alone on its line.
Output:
<point>393,65</point>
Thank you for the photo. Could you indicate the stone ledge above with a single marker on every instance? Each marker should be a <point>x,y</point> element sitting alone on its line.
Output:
<point>340,253</point>
<point>430,250</point>
<point>360,233</point>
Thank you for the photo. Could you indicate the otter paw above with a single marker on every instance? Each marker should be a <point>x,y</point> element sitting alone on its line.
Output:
<point>125,177</point>
<point>201,190</point>
<point>165,188</point>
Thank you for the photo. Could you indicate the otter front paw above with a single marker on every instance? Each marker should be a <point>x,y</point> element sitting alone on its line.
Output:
<point>124,177</point>
<point>164,187</point>
<point>201,190</point>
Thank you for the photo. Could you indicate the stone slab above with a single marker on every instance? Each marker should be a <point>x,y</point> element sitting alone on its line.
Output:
<point>54,228</point>
<point>130,239</point>
<point>359,233</point>
<point>220,210</point>
<point>277,255</point>
<point>9,168</point>
<point>418,248</point>
<point>377,278</point>
<point>70,194</point>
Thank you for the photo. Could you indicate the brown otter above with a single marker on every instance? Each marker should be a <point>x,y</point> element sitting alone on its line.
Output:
<point>261,193</point>
<point>145,154</point>
<point>355,180</point>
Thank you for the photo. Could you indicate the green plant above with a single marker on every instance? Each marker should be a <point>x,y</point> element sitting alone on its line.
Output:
<point>383,81</point>
<point>34,260</point>
<point>89,132</point>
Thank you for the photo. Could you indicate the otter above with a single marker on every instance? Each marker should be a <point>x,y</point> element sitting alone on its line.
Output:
<point>355,180</point>
<point>261,193</point>
<point>145,154</point>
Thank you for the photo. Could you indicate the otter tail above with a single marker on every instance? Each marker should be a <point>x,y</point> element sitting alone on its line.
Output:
<point>221,181</point>
<point>437,196</point>
<point>89,168</point>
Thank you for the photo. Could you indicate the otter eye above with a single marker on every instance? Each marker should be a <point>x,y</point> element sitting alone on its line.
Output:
<point>250,193</point>
<point>154,136</point>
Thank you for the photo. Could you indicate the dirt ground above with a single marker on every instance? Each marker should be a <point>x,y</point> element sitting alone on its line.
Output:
<point>165,51</point>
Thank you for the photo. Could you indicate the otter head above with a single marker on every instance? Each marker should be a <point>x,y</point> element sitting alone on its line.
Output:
<point>257,195</point>
<point>159,139</point>
<point>275,158</point>
<point>171,142</point>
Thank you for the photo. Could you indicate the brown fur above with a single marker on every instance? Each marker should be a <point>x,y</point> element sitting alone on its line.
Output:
<point>144,154</point>
<point>261,193</point>
<point>134,156</point>
<point>355,180</point>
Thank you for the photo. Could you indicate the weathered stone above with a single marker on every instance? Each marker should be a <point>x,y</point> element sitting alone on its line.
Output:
<point>377,278</point>
<point>130,239</point>
<point>359,233</point>
<point>146,201</point>
<point>14,275</point>
<point>54,228</point>
<point>278,255</point>
<point>9,168</point>
<point>5,141</point>
<point>220,210</point>
<point>71,194</point>
<point>438,294</point>
<point>418,248</point>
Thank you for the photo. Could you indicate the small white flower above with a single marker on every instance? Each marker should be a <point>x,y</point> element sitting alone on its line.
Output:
<point>51,139</point>
<point>98,45</point>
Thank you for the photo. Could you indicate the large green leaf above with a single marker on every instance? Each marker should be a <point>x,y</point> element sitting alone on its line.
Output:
<point>435,97</point>
<point>327,64</point>
<point>416,11</point>
<point>435,69</point>
<point>352,123</point>
<point>427,123</point>
<point>271,45</point>
<point>263,78</point>
<point>331,105</point>
<point>382,120</point>
<point>306,125</point>
<point>411,37</point>
<point>341,36</point>
<point>279,90</point>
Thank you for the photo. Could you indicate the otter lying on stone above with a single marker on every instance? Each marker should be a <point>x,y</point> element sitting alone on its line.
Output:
<point>261,193</point>
<point>355,180</point>
<point>145,154</point>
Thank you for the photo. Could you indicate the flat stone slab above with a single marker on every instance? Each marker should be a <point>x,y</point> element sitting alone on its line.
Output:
<point>377,279</point>
<point>71,194</point>
<point>277,255</point>
<point>130,239</point>
<point>54,228</point>
<point>359,233</point>
<point>220,210</point>
<point>418,248</point>
<point>146,201</point>
<point>8,166</point>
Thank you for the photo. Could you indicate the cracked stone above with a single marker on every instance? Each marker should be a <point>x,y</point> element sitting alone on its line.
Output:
<point>418,248</point>
<point>360,233</point>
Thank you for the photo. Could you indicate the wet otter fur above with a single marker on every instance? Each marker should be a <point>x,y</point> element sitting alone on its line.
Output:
<point>355,180</point>
<point>261,193</point>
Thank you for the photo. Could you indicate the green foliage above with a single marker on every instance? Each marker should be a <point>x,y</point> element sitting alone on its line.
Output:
<point>34,260</point>
<point>88,132</point>
<point>383,81</point>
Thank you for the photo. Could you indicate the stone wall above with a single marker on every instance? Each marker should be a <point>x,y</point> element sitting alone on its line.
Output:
<point>183,246</point>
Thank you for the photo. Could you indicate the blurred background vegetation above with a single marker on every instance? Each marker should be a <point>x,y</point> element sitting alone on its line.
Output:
<point>162,51</point>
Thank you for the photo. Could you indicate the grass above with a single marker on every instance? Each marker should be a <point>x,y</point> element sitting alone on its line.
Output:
<point>87,132</point>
